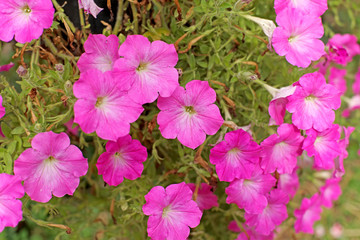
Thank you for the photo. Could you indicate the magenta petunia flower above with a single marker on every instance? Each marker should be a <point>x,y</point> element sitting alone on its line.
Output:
<point>236,156</point>
<point>330,192</point>
<point>70,129</point>
<point>336,54</point>
<point>253,235</point>
<point>280,151</point>
<point>346,41</point>
<point>149,68</point>
<point>310,7</point>
<point>356,84</point>
<point>324,146</point>
<point>313,102</point>
<point>122,159</point>
<point>25,19</point>
<point>6,67</point>
<point>10,207</point>
<point>297,37</point>
<point>277,106</point>
<point>171,212</point>
<point>337,79</point>
<point>101,52</point>
<point>289,183</point>
<point>2,109</point>
<point>343,144</point>
<point>308,213</point>
<point>51,166</point>
<point>272,215</point>
<point>190,114</point>
<point>102,106</point>
<point>90,7</point>
<point>205,198</point>
<point>250,193</point>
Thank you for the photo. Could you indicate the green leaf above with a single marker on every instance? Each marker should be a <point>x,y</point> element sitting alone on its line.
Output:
<point>18,130</point>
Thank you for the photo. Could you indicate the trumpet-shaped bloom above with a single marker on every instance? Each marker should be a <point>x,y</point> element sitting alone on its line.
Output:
<point>277,106</point>
<point>311,7</point>
<point>189,114</point>
<point>289,183</point>
<point>149,68</point>
<point>123,158</point>
<point>330,192</point>
<point>280,151</point>
<point>297,37</point>
<point>346,41</point>
<point>102,106</point>
<point>6,67</point>
<point>250,193</point>
<point>313,102</point>
<point>273,214</point>
<point>90,6</point>
<point>308,213</point>
<point>324,146</point>
<point>171,212</point>
<point>337,79</point>
<point>25,19</point>
<point>205,197</point>
<point>236,156</point>
<point>51,166</point>
<point>101,52</point>
<point>10,207</point>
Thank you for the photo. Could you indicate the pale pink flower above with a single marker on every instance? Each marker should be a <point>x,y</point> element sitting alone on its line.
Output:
<point>277,106</point>
<point>10,207</point>
<point>353,104</point>
<point>236,156</point>
<point>25,19</point>
<point>337,230</point>
<point>2,109</point>
<point>190,114</point>
<point>272,215</point>
<point>250,193</point>
<point>7,67</point>
<point>308,213</point>
<point>310,7</point>
<point>51,166</point>
<point>280,151</point>
<point>356,84</point>
<point>343,143</point>
<point>122,159</point>
<point>324,146</point>
<point>70,129</point>
<point>149,68</point>
<point>90,6</point>
<point>346,41</point>
<point>171,212</point>
<point>102,106</point>
<point>289,183</point>
<point>297,37</point>
<point>313,102</point>
<point>337,79</point>
<point>330,192</point>
<point>205,198</point>
<point>101,52</point>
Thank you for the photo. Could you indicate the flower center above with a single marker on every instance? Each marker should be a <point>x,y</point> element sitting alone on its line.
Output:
<point>50,159</point>
<point>190,110</point>
<point>26,9</point>
<point>310,98</point>
<point>99,101</point>
<point>166,211</point>
<point>142,66</point>
<point>292,38</point>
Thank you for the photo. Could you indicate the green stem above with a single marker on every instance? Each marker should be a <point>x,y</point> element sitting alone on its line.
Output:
<point>135,22</point>
<point>119,18</point>
<point>82,22</point>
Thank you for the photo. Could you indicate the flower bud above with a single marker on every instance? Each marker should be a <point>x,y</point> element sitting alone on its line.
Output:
<point>68,85</point>
<point>21,71</point>
<point>59,67</point>
<point>37,127</point>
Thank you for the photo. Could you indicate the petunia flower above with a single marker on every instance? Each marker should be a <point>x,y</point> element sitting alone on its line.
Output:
<point>70,129</point>
<point>280,151</point>
<point>171,212</point>
<point>330,192</point>
<point>51,166</point>
<point>6,67</point>
<point>343,144</point>
<point>90,7</point>
<point>356,84</point>
<point>313,103</point>
<point>10,206</point>
<point>297,37</point>
<point>101,52</point>
<point>346,41</point>
<point>337,79</point>
<point>250,234</point>
<point>289,183</point>
<point>2,109</point>
<point>272,215</point>
<point>308,213</point>
<point>353,104</point>
<point>277,106</point>
<point>236,156</point>
<point>122,159</point>
<point>102,106</point>
<point>310,7</point>
<point>25,19</point>
<point>205,198</point>
<point>324,146</point>
<point>250,193</point>
<point>149,68</point>
<point>190,114</point>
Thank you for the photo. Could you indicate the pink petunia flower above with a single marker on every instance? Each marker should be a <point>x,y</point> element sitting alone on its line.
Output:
<point>190,114</point>
<point>330,192</point>
<point>297,37</point>
<point>171,212</point>
<point>51,166</point>
<point>353,104</point>
<point>313,102</point>
<point>346,41</point>
<point>343,143</point>
<point>250,193</point>
<point>289,183</point>
<point>10,207</point>
<point>337,79</point>
<point>272,215</point>
<point>2,109</point>
<point>149,68</point>
<point>337,54</point>
<point>310,7</point>
<point>236,156</point>
<point>70,129</point>
<point>123,158</point>
<point>90,6</point>
<point>280,151</point>
<point>277,106</point>
<point>102,106</point>
<point>205,198</point>
<point>6,67</point>
<point>356,84</point>
<point>25,19</point>
<point>308,213</point>
<point>101,52</point>
<point>250,234</point>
